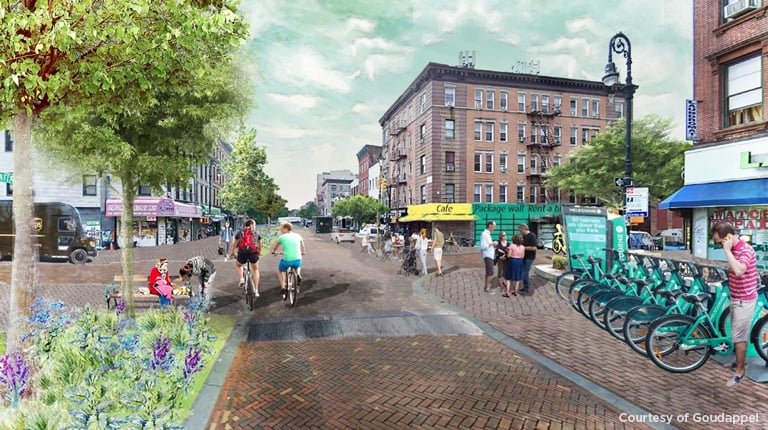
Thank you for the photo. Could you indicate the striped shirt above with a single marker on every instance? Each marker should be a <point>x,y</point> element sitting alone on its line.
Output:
<point>743,287</point>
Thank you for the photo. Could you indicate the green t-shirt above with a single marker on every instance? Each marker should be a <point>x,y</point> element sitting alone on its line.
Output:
<point>291,243</point>
<point>439,240</point>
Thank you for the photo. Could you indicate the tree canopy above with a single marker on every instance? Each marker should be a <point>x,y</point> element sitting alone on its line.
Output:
<point>309,210</point>
<point>657,162</point>
<point>362,209</point>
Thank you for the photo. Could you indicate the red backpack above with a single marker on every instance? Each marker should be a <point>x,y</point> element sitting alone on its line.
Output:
<point>246,244</point>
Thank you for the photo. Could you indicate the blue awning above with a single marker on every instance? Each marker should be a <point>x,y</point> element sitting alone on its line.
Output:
<point>733,193</point>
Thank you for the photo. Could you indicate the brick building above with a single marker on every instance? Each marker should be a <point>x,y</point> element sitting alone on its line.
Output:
<point>462,135</point>
<point>726,173</point>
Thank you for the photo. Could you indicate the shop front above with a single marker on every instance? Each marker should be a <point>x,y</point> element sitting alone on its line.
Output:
<point>157,221</point>
<point>725,183</point>
<point>541,218</point>
<point>451,218</point>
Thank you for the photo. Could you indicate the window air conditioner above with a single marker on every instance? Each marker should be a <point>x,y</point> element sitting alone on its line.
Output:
<point>739,7</point>
<point>503,170</point>
<point>522,139</point>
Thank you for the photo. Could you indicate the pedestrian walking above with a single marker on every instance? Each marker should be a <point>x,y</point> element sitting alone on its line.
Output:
<point>514,273</point>
<point>437,249</point>
<point>422,246</point>
<point>501,260</point>
<point>487,253</point>
<point>227,233</point>
<point>529,242</point>
<point>742,284</point>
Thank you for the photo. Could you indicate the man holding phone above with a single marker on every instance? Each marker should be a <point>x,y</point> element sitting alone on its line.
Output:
<point>742,283</point>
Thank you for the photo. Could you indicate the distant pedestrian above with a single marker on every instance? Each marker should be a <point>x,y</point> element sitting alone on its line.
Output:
<point>421,246</point>
<point>514,273</point>
<point>226,236</point>
<point>529,242</point>
<point>487,252</point>
<point>501,260</point>
<point>437,249</point>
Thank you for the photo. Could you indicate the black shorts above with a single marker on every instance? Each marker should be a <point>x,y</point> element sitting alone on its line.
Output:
<point>243,258</point>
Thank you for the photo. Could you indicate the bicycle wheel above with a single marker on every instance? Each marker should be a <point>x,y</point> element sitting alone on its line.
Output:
<point>597,305</point>
<point>557,247</point>
<point>563,284</point>
<point>759,337</point>
<point>667,348</point>
<point>250,295</point>
<point>291,286</point>
<point>636,324</point>
<point>616,312</point>
<point>575,288</point>
<point>584,296</point>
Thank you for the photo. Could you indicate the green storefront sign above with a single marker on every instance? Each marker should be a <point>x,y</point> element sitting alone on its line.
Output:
<point>6,177</point>
<point>586,230</point>
<point>508,216</point>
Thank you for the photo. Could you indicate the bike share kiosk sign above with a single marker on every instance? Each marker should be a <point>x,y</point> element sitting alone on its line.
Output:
<point>586,232</point>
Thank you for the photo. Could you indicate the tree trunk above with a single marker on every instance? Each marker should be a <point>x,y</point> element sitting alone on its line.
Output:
<point>24,255</point>
<point>126,234</point>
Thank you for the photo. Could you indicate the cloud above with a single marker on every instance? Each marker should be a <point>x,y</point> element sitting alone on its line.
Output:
<point>288,132</point>
<point>297,100</point>
<point>361,108</point>
<point>306,67</point>
<point>354,24</point>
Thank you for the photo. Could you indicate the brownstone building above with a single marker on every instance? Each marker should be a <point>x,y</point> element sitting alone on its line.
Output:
<point>462,135</point>
<point>726,172</point>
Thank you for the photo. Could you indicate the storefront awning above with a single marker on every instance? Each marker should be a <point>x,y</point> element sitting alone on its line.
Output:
<point>439,212</point>
<point>154,207</point>
<point>732,193</point>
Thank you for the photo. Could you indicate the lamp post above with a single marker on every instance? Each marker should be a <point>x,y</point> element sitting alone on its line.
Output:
<point>620,45</point>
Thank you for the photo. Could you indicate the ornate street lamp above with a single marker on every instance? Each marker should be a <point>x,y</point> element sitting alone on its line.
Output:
<point>620,45</point>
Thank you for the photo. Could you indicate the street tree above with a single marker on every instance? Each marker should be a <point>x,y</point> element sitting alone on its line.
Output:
<point>156,145</point>
<point>309,210</point>
<point>78,53</point>
<point>362,209</point>
<point>657,163</point>
<point>248,187</point>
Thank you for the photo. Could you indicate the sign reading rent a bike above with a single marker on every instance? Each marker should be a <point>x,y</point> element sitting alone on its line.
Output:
<point>586,232</point>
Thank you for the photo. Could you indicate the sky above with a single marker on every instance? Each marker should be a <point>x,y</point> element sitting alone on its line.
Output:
<point>323,72</point>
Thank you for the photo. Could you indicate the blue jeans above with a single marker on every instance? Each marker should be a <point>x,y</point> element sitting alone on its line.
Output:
<point>527,264</point>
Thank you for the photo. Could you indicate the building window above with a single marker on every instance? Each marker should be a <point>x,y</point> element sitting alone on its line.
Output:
<point>450,161</point>
<point>423,193</point>
<point>558,134</point>
<point>584,136</point>
<point>146,190</point>
<point>503,163</point>
<point>534,133</point>
<point>545,104</point>
<point>534,102</point>
<point>423,103</point>
<point>619,108</point>
<point>521,102</point>
<point>503,127</point>
<point>89,185</point>
<point>449,196</point>
<point>8,189</point>
<point>422,133</point>
<point>478,131</point>
<point>450,96</point>
<point>572,197</point>
<point>478,99</point>
<point>478,192</point>
<point>521,193</point>
<point>574,134</point>
<point>489,193</point>
<point>478,161</point>
<point>423,164</point>
<point>489,132</point>
<point>558,104</point>
<point>573,107</point>
<point>489,98</point>
<point>489,162</point>
<point>503,101</point>
<point>584,107</point>
<point>595,108</point>
<point>521,133</point>
<point>557,160</point>
<point>502,193</point>
<point>532,196</point>
<point>521,164</point>
<point>8,141</point>
<point>533,165</point>
<point>744,91</point>
<point>450,129</point>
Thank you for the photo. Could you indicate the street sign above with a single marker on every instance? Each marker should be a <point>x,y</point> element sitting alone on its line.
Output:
<point>619,182</point>
<point>637,202</point>
<point>691,119</point>
<point>6,177</point>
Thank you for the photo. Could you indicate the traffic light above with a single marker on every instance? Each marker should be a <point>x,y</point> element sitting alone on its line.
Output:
<point>383,183</point>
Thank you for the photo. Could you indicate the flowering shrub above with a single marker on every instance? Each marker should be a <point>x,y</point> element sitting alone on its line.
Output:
<point>96,370</point>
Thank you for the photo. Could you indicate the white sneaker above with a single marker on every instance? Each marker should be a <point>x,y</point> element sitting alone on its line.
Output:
<point>257,293</point>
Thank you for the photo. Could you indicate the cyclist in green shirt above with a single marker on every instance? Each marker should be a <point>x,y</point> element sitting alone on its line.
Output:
<point>293,249</point>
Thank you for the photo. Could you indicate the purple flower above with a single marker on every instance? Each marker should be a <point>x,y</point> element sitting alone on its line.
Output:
<point>120,308</point>
<point>162,358</point>
<point>14,376</point>
<point>189,317</point>
<point>192,362</point>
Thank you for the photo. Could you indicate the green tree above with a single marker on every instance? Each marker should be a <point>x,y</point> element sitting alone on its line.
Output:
<point>248,187</point>
<point>309,210</point>
<point>657,163</point>
<point>78,53</point>
<point>362,209</point>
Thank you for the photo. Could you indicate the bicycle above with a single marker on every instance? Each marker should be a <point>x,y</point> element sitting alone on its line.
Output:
<point>250,291</point>
<point>558,241</point>
<point>291,291</point>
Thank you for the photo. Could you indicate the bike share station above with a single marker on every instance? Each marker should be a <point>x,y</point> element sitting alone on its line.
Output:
<point>591,230</point>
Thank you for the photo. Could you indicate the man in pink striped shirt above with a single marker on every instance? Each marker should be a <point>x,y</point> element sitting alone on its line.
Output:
<point>742,283</point>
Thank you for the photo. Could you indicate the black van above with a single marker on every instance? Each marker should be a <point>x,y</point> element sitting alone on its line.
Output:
<point>59,232</point>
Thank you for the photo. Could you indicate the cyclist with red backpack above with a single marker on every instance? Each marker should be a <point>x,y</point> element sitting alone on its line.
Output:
<point>247,244</point>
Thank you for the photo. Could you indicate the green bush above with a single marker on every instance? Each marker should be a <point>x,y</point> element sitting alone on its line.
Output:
<point>559,262</point>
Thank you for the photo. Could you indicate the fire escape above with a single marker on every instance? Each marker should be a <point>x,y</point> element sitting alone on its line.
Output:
<point>540,145</point>
<point>397,177</point>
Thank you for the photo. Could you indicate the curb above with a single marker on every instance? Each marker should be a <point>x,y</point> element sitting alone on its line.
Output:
<point>619,402</point>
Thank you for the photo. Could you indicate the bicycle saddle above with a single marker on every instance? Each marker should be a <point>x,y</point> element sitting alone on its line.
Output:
<point>640,282</point>
<point>695,298</point>
<point>670,294</point>
<point>593,260</point>
<point>577,256</point>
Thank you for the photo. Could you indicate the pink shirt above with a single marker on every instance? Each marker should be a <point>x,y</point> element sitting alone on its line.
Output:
<point>743,287</point>
<point>516,251</point>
